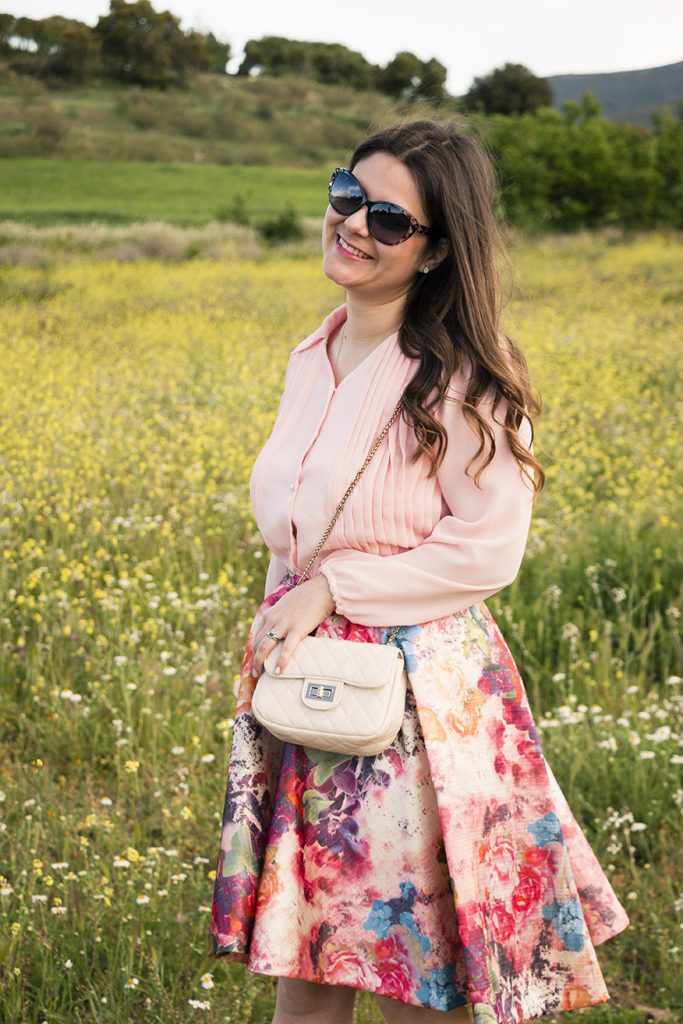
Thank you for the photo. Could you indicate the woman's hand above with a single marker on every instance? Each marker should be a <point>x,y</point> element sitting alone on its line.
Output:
<point>297,613</point>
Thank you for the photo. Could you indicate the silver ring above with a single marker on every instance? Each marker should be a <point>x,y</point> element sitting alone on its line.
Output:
<point>273,635</point>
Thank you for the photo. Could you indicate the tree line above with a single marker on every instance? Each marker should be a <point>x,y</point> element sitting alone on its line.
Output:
<point>334,64</point>
<point>135,44</point>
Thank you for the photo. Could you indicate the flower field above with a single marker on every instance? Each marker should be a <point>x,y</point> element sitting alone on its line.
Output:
<point>133,401</point>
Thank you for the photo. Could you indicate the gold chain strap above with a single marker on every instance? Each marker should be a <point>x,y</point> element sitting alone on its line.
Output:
<point>341,503</point>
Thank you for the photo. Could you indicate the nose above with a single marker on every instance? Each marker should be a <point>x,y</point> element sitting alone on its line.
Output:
<point>358,221</point>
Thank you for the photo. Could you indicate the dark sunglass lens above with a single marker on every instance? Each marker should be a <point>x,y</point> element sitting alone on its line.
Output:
<point>345,194</point>
<point>388,225</point>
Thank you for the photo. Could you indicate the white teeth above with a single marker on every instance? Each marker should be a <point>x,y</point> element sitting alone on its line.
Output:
<point>350,248</point>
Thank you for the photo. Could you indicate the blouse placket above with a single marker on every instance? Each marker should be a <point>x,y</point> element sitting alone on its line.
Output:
<point>333,390</point>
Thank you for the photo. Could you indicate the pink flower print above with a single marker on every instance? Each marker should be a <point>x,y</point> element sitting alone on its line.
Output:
<point>501,857</point>
<point>395,978</point>
<point>359,634</point>
<point>502,921</point>
<point>393,967</point>
<point>349,966</point>
<point>528,891</point>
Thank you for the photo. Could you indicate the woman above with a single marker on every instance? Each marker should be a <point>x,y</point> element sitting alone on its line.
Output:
<point>446,875</point>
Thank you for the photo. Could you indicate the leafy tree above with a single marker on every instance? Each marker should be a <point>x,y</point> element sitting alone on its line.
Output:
<point>148,47</point>
<point>564,173</point>
<point>582,111</point>
<point>191,52</point>
<point>6,24</point>
<point>274,55</point>
<point>337,65</point>
<point>49,32</point>
<point>219,53</point>
<point>634,180</point>
<point>668,134</point>
<point>406,77</point>
<point>134,42</point>
<point>432,85</point>
<point>323,62</point>
<point>24,50</point>
<point>401,74</point>
<point>512,89</point>
<point>56,46</point>
<point>75,56</point>
<point>25,32</point>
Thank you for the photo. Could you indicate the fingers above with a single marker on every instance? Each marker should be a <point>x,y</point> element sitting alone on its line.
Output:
<point>287,650</point>
<point>256,624</point>
<point>265,645</point>
<point>285,627</point>
<point>262,648</point>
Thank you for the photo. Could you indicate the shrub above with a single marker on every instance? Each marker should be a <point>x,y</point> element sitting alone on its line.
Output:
<point>143,114</point>
<point>226,121</point>
<point>283,228</point>
<point>161,241</point>
<point>234,212</point>
<point>193,124</point>
<point>47,125</point>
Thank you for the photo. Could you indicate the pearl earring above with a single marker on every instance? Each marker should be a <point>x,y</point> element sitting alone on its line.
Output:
<point>425,270</point>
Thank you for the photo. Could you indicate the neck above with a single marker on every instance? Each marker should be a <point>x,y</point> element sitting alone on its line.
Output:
<point>368,323</point>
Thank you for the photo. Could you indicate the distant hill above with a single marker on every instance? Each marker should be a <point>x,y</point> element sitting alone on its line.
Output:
<point>625,95</point>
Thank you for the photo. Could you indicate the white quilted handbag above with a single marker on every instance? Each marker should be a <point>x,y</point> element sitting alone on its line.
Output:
<point>334,695</point>
<point>339,695</point>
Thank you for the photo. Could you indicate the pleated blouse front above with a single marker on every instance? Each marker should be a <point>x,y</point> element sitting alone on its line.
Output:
<point>406,549</point>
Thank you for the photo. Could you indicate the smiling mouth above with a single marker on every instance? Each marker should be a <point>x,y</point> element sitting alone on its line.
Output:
<point>350,248</point>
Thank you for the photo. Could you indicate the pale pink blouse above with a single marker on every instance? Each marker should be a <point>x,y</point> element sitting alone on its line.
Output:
<point>405,549</point>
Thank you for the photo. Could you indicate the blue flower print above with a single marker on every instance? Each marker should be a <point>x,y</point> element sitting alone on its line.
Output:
<point>567,920</point>
<point>398,910</point>
<point>438,990</point>
<point>546,830</point>
<point>380,919</point>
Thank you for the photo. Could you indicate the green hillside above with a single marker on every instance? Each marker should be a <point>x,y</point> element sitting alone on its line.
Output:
<point>224,120</point>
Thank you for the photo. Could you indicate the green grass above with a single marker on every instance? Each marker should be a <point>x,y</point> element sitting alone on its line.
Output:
<point>44,191</point>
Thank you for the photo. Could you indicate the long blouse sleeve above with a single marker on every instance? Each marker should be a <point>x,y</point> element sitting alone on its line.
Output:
<point>472,552</point>
<point>276,571</point>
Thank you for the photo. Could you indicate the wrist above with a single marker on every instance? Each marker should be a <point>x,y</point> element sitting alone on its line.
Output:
<point>325,587</point>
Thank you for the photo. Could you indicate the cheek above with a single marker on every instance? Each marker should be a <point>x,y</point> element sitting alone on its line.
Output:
<point>331,221</point>
<point>416,258</point>
<point>404,261</point>
<point>329,234</point>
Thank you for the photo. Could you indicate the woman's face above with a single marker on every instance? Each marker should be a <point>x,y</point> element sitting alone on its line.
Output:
<point>384,271</point>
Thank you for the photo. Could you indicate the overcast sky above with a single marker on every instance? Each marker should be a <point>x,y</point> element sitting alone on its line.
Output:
<point>550,37</point>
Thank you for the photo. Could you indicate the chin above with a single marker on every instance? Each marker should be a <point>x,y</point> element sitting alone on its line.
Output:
<point>336,272</point>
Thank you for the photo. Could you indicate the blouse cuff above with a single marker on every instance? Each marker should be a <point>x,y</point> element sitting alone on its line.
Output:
<point>328,573</point>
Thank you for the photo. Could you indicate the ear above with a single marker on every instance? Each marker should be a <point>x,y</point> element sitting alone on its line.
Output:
<point>439,252</point>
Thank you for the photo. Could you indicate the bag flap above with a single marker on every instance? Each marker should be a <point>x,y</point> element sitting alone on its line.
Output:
<point>330,658</point>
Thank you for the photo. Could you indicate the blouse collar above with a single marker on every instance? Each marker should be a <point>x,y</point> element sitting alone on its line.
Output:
<point>329,324</point>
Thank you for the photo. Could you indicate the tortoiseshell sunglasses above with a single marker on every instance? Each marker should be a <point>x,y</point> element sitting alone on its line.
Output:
<point>388,223</point>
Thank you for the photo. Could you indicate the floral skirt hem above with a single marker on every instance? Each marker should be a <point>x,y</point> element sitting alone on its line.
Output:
<point>349,981</point>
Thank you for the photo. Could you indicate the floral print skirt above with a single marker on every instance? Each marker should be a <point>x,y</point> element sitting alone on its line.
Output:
<point>356,871</point>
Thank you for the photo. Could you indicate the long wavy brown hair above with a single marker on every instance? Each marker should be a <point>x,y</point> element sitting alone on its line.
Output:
<point>452,315</point>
